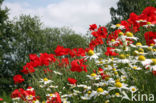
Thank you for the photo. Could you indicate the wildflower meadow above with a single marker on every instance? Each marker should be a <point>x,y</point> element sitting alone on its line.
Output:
<point>118,66</point>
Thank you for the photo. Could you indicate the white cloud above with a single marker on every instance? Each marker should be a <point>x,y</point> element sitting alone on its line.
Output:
<point>77,14</point>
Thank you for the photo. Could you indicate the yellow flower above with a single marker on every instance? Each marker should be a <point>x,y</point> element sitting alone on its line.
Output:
<point>93,74</point>
<point>100,90</point>
<point>129,34</point>
<point>138,44</point>
<point>152,44</point>
<point>89,92</point>
<point>45,79</point>
<point>117,25</point>
<point>116,73</point>
<point>148,23</point>
<point>117,94</point>
<point>141,58</point>
<point>120,34</point>
<point>90,52</point>
<point>141,50</point>
<point>114,69</point>
<point>117,80</point>
<point>153,62</point>
<point>113,40</point>
<point>50,95</point>
<point>134,67</point>
<point>133,89</point>
<point>122,56</point>
<point>118,84</point>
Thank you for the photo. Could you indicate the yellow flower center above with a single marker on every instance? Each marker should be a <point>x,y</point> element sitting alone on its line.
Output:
<point>153,62</point>
<point>148,23</point>
<point>124,77</point>
<point>90,52</point>
<point>100,62</point>
<point>112,58</point>
<point>138,44</point>
<point>141,58</point>
<point>30,97</point>
<point>89,92</point>
<point>100,90</point>
<point>122,56</point>
<point>116,73</point>
<point>133,89</point>
<point>117,94</point>
<point>117,80</point>
<point>50,95</point>
<point>114,69</point>
<point>129,34</point>
<point>120,34</point>
<point>117,25</point>
<point>134,67</point>
<point>152,44</point>
<point>45,79</point>
<point>141,50</point>
<point>93,74</point>
<point>113,40</point>
<point>118,84</point>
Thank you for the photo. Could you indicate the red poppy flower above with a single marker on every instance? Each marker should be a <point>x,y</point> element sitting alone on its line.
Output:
<point>28,68</point>
<point>60,51</point>
<point>18,79</point>
<point>72,80</point>
<point>32,57</point>
<point>149,37</point>
<point>78,66</point>
<point>56,99</point>
<point>17,93</point>
<point>109,52</point>
<point>1,99</point>
<point>93,27</point>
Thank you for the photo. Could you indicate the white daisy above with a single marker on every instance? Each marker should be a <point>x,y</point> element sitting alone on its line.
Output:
<point>92,55</point>
<point>118,85</point>
<point>94,76</point>
<point>149,24</point>
<point>133,89</point>
<point>118,26</point>
<point>45,81</point>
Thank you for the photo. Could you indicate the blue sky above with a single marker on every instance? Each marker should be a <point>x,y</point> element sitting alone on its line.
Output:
<point>76,14</point>
<point>35,3</point>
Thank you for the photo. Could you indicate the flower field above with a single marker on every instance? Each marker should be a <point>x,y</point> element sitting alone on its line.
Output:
<point>117,67</point>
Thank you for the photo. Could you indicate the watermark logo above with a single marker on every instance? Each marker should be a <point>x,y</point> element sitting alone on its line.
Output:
<point>139,97</point>
<point>142,97</point>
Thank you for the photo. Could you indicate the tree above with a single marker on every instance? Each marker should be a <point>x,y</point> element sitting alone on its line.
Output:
<point>6,37</point>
